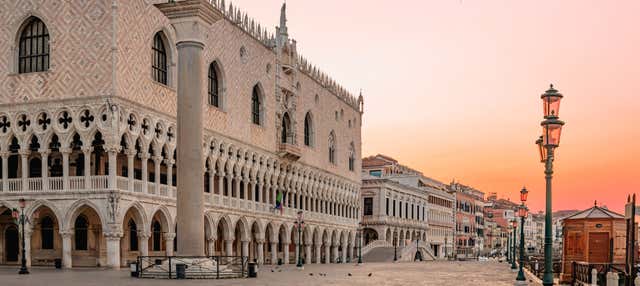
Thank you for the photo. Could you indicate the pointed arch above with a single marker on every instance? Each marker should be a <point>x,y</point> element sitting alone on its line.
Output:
<point>160,60</point>
<point>332,147</point>
<point>216,83</point>
<point>257,105</point>
<point>286,135</point>
<point>33,46</point>
<point>308,129</point>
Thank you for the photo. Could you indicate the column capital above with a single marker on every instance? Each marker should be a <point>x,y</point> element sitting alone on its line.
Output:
<point>143,235</point>
<point>191,19</point>
<point>5,154</point>
<point>169,162</point>
<point>113,148</point>
<point>66,150</point>
<point>157,159</point>
<point>131,152</point>
<point>144,155</point>
<point>44,152</point>
<point>86,149</point>
<point>24,152</point>
<point>66,233</point>
<point>113,235</point>
<point>169,236</point>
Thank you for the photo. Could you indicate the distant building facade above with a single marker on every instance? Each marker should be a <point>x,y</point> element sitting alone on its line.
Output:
<point>470,222</point>
<point>401,204</point>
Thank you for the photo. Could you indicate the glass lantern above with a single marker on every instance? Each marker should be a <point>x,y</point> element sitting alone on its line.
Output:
<point>542,150</point>
<point>551,103</point>
<point>522,212</point>
<point>523,194</point>
<point>551,131</point>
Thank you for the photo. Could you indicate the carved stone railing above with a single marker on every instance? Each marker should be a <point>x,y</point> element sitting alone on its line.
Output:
<point>375,244</point>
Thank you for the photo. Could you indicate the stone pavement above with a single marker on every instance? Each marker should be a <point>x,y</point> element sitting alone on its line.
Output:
<point>382,274</point>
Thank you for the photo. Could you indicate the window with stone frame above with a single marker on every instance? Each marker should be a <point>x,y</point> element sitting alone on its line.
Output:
<point>214,85</point>
<point>33,47</point>
<point>332,148</point>
<point>352,157</point>
<point>256,106</point>
<point>308,130</point>
<point>159,67</point>
<point>368,206</point>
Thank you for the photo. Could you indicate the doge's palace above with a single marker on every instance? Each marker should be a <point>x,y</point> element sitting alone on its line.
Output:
<point>88,137</point>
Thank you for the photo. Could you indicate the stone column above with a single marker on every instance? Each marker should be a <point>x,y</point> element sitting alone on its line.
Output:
<point>307,254</point>
<point>157,160</point>
<point>191,23</point>
<point>86,151</point>
<point>274,253</point>
<point>66,248</point>
<point>131,154</point>
<point>44,157</point>
<point>211,245</point>
<point>334,249</point>
<point>318,253</point>
<point>297,251</point>
<point>170,172</point>
<point>112,153</point>
<point>113,249</point>
<point>24,159</point>
<point>144,156</point>
<point>260,258</point>
<point>327,254</point>
<point>228,246</point>
<point>27,245</point>
<point>212,188</point>
<point>168,243</point>
<point>5,171</point>
<point>285,251</point>
<point>344,253</point>
<point>65,169</point>
<point>245,248</point>
<point>221,183</point>
<point>143,243</point>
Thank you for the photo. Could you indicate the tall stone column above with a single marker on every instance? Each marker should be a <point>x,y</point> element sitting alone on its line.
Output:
<point>285,251</point>
<point>351,252</point>
<point>113,249</point>
<point>86,151</point>
<point>27,245</point>
<point>191,20</point>
<point>334,249</point>
<point>24,158</point>
<point>307,254</point>
<point>157,160</point>
<point>144,157</point>
<point>66,248</point>
<point>170,172</point>
<point>131,154</point>
<point>211,245</point>
<point>327,253</point>
<point>112,154</point>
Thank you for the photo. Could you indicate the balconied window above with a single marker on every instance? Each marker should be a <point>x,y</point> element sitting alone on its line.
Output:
<point>33,49</point>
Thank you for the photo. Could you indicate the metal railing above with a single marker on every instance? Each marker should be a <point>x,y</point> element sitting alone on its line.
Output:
<point>581,272</point>
<point>536,266</point>
<point>196,267</point>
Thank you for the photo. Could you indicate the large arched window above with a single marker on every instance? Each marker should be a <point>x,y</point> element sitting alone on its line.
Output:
<point>286,129</point>
<point>81,232</point>
<point>352,157</point>
<point>133,235</point>
<point>33,49</point>
<point>157,233</point>
<point>332,148</point>
<point>46,232</point>
<point>308,130</point>
<point>256,105</point>
<point>214,85</point>
<point>159,65</point>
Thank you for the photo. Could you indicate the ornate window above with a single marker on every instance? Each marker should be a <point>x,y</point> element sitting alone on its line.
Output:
<point>33,53</point>
<point>214,85</point>
<point>286,129</point>
<point>352,157</point>
<point>308,130</point>
<point>46,232</point>
<point>81,232</point>
<point>332,148</point>
<point>256,105</point>
<point>159,65</point>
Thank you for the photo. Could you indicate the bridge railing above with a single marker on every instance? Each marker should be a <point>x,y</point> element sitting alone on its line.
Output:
<point>195,267</point>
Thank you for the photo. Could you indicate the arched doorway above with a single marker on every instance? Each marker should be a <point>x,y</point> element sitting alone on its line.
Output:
<point>46,242</point>
<point>87,238</point>
<point>369,235</point>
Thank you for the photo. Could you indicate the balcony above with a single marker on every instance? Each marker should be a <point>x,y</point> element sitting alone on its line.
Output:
<point>289,151</point>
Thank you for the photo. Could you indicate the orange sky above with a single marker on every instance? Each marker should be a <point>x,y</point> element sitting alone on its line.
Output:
<point>452,87</point>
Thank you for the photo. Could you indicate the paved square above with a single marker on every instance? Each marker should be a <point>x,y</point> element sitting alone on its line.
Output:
<point>427,273</point>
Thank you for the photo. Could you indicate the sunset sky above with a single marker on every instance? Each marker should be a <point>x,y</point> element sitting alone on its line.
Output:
<point>452,87</point>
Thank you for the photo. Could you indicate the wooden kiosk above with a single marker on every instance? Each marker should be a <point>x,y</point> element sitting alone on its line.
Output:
<point>594,236</point>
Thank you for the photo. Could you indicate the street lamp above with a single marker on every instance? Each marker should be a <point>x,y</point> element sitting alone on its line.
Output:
<point>550,139</point>
<point>522,213</point>
<point>508,245</point>
<point>22,219</point>
<point>395,249</point>
<point>360,243</point>
<point>514,223</point>
<point>300,226</point>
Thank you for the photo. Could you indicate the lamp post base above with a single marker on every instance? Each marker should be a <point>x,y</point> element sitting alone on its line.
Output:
<point>521,283</point>
<point>300,267</point>
<point>23,271</point>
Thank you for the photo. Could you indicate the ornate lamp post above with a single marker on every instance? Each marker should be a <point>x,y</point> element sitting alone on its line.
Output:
<point>360,243</point>
<point>300,223</point>
<point>22,219</point>
<point>395,249</point>
<point>522,213</point>
<point>509,246</point>
<point>550,139</point>
<point>514,223</point>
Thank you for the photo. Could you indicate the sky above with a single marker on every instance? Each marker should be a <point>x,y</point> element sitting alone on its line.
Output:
<point>452,87</point>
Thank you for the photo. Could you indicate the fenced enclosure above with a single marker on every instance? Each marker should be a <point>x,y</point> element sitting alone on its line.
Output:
<point>192,267</point>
